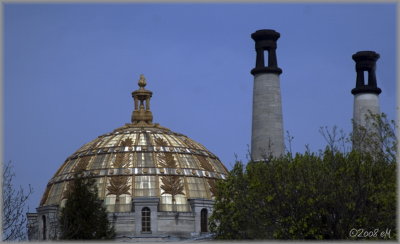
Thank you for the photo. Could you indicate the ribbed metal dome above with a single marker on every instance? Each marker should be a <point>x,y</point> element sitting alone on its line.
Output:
<point>141,159</point>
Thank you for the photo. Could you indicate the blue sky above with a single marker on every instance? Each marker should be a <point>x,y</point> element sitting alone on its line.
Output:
<point>69,71</point>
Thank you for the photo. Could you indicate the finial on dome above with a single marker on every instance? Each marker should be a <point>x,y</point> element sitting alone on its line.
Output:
<point>142,82</point>
<point>142,114</point>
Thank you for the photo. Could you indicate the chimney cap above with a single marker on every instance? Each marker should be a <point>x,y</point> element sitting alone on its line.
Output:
<point>366,55</point>
<point>366,61</point>
<point>265,34</point>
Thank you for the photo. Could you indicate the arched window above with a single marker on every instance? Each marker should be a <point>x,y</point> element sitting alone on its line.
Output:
<point>146,222</point>
<point>204,219</point>
<point>44,227</point>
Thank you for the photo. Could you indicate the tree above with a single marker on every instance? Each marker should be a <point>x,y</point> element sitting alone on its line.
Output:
<point>376,136</point>
<point>84,216</point>
<point>14,207</point>
<point>229,217</point>
<point>320,195</point>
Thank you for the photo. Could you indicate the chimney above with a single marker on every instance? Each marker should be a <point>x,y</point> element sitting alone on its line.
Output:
<point>366,92</point>
<point>267,122</point>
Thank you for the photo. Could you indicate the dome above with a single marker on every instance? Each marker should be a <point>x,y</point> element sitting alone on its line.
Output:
<point>141,159</point>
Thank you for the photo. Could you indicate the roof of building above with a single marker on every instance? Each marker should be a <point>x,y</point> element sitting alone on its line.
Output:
<point>141,159</point>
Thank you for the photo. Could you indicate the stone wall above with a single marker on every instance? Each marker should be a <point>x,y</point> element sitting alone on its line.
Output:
<point>128,225</point>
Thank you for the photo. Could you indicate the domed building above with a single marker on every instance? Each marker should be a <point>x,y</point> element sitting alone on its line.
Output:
<point>155,183</point>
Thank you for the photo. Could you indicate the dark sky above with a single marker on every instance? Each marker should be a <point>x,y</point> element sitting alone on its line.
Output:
<point>70,70</point>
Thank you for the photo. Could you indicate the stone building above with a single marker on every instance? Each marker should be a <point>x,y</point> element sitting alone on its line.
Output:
<point>159,184</point>
<point>155,183</point>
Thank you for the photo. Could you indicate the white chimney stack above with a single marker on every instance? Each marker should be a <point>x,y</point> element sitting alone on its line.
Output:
<point>267,123</point>
<point>366,93</point>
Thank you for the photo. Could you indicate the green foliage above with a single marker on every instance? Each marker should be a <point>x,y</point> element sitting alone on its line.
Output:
<point>309,196</point>
<point>84,216</point>
<point>229,217</point>
<point>377,136</point>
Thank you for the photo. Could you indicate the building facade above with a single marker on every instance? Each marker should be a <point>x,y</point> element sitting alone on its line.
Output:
<point>158,184</point>
<point>155,183</point>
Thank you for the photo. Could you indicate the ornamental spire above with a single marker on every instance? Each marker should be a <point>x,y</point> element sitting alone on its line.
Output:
<point>142,82</point>
<point>142,114</point>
